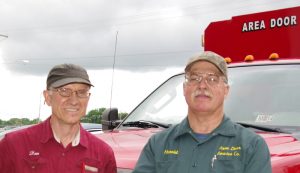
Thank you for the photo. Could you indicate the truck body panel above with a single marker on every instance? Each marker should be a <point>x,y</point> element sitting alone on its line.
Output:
<point>264,93</point>
<point>258,34</point>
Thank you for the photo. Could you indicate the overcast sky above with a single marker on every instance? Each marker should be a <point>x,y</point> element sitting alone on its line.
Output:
<point>154,40</point>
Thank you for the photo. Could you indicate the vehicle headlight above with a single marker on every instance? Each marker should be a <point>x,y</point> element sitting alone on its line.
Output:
<point>121,170</point>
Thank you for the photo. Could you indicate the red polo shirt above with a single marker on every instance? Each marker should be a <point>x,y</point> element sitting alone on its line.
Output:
<point>35,150</point>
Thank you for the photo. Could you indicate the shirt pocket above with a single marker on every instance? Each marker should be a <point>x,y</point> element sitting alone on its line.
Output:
<point>89,165</point>
<point>35,165</point>
<point>167,166</point>
<point>227,164</point>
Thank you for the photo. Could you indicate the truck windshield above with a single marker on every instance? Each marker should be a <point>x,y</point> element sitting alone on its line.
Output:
<point>166,104</point>
<point>264,95</point>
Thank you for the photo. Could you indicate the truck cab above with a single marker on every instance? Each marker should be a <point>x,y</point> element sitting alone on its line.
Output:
<point>264,90</point>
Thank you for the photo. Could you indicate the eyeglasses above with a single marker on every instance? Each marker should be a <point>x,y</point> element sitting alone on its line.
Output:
<point>210,79</point>
<point>66,92</point>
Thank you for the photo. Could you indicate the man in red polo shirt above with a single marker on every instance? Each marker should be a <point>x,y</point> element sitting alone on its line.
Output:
<point>59,144</point>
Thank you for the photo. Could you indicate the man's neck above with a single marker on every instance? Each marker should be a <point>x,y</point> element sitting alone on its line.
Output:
<point>205,123</point>
<point>64,133</point>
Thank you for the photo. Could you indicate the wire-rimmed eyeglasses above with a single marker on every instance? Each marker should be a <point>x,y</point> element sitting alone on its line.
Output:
<point>210,79</point>
<point>67,92</point>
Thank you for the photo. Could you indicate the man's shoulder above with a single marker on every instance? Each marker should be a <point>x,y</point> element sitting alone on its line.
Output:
<point>237,129</point>
<point>20,140</point>
<point>243,131</point>
<point>25,131</point>
<point>248,137</point>
<point>167,134</point>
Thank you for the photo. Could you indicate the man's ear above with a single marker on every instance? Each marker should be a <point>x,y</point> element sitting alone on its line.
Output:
<point>226,93</point>
<point>47,97</point>
<point>183,88</point>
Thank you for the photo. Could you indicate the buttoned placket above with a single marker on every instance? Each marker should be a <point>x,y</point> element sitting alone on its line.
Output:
<point>197,154</point>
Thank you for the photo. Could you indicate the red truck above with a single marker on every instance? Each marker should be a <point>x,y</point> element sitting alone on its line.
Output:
<point>263,52</point>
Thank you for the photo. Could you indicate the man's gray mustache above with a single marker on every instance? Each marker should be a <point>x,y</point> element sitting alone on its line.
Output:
<point>201,92</point>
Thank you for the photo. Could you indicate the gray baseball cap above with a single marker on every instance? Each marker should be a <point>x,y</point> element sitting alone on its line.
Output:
<point>64,74</point>
<point>211,57</point>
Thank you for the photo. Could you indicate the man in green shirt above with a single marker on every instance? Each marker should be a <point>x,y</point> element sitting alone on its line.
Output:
<point>206,140</point>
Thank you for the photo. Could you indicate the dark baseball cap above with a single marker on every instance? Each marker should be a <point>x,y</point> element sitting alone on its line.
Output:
<point>211,57</point>
<point>64,74</point>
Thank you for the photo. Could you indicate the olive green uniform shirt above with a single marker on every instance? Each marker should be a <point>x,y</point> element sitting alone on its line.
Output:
<point>230,148</point>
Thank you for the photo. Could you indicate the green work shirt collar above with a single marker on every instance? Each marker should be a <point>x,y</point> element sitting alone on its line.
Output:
<point>226,128</point>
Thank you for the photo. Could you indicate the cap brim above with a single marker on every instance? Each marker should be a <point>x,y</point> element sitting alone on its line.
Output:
<point>66,81</point>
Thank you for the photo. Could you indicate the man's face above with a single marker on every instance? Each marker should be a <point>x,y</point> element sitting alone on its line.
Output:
<point>204,88</point>
<point>69,102</point>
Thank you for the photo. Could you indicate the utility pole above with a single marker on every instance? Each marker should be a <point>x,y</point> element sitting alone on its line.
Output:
<point>40,106</point>
<point>113,70</point>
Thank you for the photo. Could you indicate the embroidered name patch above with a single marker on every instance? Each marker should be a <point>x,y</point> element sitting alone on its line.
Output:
<point>230,151</point>
<point>175,152</point>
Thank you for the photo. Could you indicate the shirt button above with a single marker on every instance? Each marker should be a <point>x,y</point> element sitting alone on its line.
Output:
<point>63,154</point>
<point>32,166</point>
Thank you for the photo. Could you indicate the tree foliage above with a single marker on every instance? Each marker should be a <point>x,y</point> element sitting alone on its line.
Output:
<point>18,122</point>
<point>122,115</point>
<point>93,116</point>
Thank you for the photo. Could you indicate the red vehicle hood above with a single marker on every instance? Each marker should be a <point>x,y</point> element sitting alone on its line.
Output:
<point>282,144</point>
<point>128,144</point>
<point>285,152</point>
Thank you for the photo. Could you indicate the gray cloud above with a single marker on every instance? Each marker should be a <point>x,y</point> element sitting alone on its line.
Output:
<point>152,35</point>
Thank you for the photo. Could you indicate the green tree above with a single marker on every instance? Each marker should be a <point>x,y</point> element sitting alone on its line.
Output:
<point>14,121</point>
<point>35,121</point>
<point>2,123</point>
<point>25,121</point>
<point>18,122</point>
<point>93,116</point>
<point>122,115</point>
